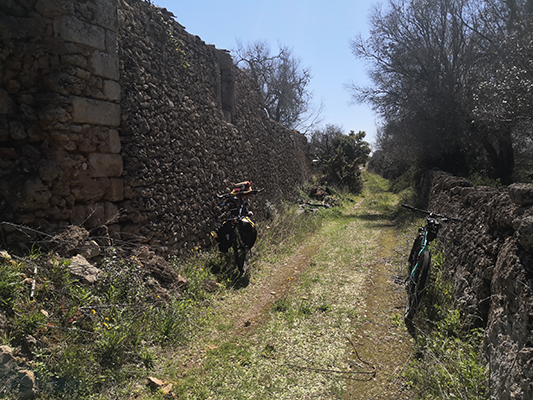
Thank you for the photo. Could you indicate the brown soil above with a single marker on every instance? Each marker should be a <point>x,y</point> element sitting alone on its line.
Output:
<point>249,307</point>
<point>382,341</point>
<point>273,287</point>
<point>381,344</point>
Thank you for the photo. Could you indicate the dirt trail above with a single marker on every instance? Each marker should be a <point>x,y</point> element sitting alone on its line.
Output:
<point>338,333</point>
<point>261,296</point>
<point>382,340</point>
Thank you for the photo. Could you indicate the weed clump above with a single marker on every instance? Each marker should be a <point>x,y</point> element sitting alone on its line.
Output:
<point>80,339</point>
<point>446,363</point>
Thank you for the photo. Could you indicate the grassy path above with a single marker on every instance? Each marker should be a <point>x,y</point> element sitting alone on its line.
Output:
<point>323,322</point>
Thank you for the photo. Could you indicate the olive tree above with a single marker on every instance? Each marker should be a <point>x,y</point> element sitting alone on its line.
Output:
<point>282,81</point>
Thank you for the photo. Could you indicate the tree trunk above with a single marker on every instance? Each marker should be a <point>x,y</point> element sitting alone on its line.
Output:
<point>501,155</point>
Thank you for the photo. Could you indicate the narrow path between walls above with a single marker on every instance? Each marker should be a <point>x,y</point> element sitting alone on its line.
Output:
<point>324,322</point>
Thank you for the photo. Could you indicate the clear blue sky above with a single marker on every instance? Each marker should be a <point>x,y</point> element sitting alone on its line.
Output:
<point>317,31</point>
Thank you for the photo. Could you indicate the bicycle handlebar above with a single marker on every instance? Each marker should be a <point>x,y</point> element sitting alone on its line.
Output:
<point>225,195</point>
<point>443,217</point>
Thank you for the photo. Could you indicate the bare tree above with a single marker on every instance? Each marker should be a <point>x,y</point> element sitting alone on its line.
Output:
<point>282,81</point>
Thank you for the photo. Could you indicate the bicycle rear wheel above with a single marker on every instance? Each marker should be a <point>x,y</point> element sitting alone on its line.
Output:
<point>416,286</point>
<point>241,256</point>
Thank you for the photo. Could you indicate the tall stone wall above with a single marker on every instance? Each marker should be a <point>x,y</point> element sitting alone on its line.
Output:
<point>112,114</point>
<point>489,258</point>
<point>59,113</point>
<point>192,124</point>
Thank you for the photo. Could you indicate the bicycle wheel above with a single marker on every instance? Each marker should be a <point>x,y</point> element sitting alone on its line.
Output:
<point>416,286</point>
<point>424,264</point>
<point>413,255</point>
<point>241,255</point>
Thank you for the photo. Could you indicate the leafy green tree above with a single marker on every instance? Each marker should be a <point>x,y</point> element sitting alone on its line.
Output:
<point>343,166</point>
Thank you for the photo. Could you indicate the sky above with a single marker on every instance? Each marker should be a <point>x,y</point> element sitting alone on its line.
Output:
<point>317,31</point>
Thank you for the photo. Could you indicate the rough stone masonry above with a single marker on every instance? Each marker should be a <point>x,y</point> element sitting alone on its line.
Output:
<point>112,114</point>
<point>489,259</point>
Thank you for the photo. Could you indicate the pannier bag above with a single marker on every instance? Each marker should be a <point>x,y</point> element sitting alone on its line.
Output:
<point>242,188</point>
<point>248,231</point>
<point>223,237</point>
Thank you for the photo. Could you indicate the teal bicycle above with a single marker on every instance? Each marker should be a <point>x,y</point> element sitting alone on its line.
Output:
<point>420,261</point>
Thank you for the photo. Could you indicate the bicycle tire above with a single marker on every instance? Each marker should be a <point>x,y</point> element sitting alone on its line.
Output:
<point>413,255</point>
<point>241,251</point>
<point>416,286</point>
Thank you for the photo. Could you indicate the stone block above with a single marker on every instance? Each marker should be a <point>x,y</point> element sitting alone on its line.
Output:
<point>105,65</point>
<point>105,165</point>
<point>111,213</point>
<point>112,90</point>
<point>78,215</point>
<point>71,29</point>
<point>36,195</point>
<point>4,102</point>
<point>54,8</point>
<point>27,386</point>
<point>89,111</point>
<point>525,233</point>
<point>82,269</point>
<point>7,360</point>
<point>113,141</point>
<point>521,193</point>
<point>90,190</point>
<point>17,130</point>
<point>52,115</point>
<point>107,15</point>
<point>111,42</point>
<point>115,192</point>
<point>95,215</point>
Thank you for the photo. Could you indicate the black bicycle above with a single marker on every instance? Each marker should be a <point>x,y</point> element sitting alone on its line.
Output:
<point>420,261</point>
<point>237,230</point>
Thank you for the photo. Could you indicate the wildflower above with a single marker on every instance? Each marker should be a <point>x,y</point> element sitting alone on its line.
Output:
<point>93,311</point>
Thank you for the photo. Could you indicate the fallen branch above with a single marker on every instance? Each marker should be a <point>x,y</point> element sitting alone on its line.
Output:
<point>32,293</point>
<point>316,205</point>
<point>335,371</point>
<point>370,374</point>
<point>374,369</point>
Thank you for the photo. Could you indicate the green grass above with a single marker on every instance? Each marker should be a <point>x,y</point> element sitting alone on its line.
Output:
<point>95,338</point>
<point>102,341</point>
<point>11,284</point>
<point>447,361</point>
<point>305,329</point>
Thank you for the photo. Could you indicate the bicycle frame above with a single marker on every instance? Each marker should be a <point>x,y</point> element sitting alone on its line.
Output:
<point>426,235</point>
<point>420,261</point>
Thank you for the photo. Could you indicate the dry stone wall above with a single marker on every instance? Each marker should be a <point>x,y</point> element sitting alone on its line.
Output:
<point>112,114</point>
<point>489,259</point>
<point>59,114</point>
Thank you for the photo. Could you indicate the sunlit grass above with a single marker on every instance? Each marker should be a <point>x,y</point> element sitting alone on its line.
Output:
<point>103,340</point>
